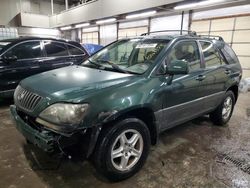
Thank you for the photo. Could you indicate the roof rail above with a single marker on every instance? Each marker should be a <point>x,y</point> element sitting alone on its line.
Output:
<point>212,37</point>
<point>193,33</point>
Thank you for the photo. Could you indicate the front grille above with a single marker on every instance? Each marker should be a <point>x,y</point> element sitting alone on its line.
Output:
<point>25,99</point>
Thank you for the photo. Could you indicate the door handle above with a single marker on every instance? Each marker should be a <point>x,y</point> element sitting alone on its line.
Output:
<point>200,77</point>
<point>227,71</point>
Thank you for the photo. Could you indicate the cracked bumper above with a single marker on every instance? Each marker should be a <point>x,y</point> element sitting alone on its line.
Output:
<point>43,139</point>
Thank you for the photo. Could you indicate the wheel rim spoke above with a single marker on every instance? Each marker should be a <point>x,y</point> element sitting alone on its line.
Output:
<point>227,108</point>
<point>117,153</point>
<point>135,152</point>
<point>224,111</point>
<point>124,162</point>
<point>133,140</point>
<point>123,140</point>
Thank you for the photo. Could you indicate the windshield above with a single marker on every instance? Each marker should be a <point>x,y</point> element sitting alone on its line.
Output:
<point>2,44</point>
<point>129,55</point>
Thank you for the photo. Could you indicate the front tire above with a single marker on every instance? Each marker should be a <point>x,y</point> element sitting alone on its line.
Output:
<point>122,149</point>
<point>222,114</point>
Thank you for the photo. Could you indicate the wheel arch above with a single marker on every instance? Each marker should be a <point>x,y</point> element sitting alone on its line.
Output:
<point>145,114</point>
<point>235,89</point>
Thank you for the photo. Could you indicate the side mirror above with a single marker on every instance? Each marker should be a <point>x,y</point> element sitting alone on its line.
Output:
<point>9,59</point>
<point>177,67</point>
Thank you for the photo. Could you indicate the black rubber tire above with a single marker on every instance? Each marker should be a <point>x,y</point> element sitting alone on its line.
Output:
<point>216,116</point>
<point>102,154</point>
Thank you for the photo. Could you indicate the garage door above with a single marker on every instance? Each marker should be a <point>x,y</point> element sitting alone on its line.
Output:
<point>235,31</point>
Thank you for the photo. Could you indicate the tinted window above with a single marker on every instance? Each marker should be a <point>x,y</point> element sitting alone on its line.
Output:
<point>186,51</point>
<point>211,55</point>
<point>229,54</point>
<point>25,50</point>
<point>54,49</point>
<point>75,51</point>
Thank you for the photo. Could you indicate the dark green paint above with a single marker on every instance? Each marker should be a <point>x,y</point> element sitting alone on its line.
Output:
<point>111,94</point>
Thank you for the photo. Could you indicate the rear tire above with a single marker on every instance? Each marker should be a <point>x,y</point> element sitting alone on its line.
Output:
<point>122,149</point>
<point>222,114</point>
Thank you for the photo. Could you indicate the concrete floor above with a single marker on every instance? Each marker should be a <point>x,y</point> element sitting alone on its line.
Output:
<point>195,154</point>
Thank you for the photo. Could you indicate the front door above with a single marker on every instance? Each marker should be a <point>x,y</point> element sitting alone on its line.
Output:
<point>27,54</point>
<point>183,98</point>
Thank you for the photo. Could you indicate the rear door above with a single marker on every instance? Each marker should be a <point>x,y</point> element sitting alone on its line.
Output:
<point>29,55</point>
<point>77,54</point>
<point>57,55</point>
<point>216,75</point>
<point>183,97</point>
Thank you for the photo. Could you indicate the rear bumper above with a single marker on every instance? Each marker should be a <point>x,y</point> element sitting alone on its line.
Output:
<point>45,140</point>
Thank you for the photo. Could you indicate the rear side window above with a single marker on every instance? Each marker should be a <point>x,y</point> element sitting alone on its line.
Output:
<point>229,54</point>
<point>26,50</point>
<point>211,55</point>
<point>74,51</point>
<point>55,49</point>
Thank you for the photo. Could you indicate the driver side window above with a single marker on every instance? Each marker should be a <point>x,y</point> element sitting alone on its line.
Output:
<point>185,51</point>
<point>26,50</point>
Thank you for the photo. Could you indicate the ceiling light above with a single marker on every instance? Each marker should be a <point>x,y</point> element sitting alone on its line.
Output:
<point>82,25</point>
<point>144,14</point>
<point>106,21</point>
<point>194,5</point>
<point>65,28</point>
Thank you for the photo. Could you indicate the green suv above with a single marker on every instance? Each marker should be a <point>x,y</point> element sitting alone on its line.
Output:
<point>115,104</point>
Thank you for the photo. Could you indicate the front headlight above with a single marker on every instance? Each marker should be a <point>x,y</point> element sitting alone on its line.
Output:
<point>64,113</point>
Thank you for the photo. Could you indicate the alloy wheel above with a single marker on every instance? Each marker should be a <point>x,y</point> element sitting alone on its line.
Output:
<point>126,150</point>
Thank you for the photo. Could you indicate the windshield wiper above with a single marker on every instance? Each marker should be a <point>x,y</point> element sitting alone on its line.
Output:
<point>96,64</point>
<point>114,66</point>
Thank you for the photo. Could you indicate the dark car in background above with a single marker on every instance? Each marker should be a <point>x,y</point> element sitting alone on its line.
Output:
<point>26,56</point>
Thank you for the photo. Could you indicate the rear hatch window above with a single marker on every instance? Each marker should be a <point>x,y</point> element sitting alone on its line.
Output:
<point>229,54</point>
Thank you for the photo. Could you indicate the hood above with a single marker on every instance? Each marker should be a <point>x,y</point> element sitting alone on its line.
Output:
<point>73,81</point>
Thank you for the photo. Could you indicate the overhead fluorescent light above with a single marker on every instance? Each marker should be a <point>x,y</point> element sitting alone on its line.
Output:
<point>194,5</point>
<point>106,21</point>
<point>65,28</point>
<point>144,14</point>
<point>82,25</point>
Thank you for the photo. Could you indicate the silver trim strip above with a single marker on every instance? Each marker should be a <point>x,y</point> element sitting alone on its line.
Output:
<point>42,45</point>
<point>6,91</point>
<point>182,104</point>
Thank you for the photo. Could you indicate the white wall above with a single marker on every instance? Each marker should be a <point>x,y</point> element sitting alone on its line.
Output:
<point>34,20</point>
<point>243,9</point>
<point>7,33</point>
<point>102,9</point>
<point>108,34</point>
<point>40,7</point>
<point>169,23</point>
<point>8,10</point>
<point>139,23</point>
<point>39,32</point>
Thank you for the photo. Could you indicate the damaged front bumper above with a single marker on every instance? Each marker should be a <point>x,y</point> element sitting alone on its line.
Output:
<point>43,139</point>
<point>50,141</point>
